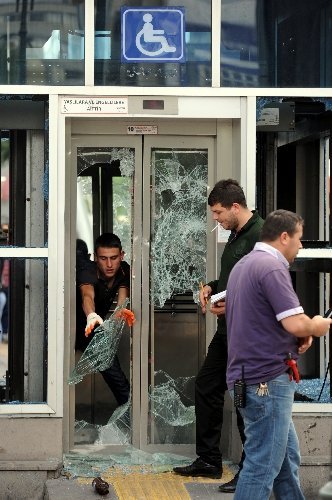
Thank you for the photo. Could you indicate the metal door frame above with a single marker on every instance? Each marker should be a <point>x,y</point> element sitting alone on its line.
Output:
<point>140,247</point>
<point>133,142</point>
<point>150,142</point>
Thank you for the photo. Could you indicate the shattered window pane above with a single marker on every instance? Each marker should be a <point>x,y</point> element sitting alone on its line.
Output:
<point>178,249</point>
<point>85,466</point>
<point>121,163</point>
<point>96,156</point>
<point>172,416</point>
<point>170,400</point>
<point>172,409</point>
<point>122,201</point>
<point>100,353</point>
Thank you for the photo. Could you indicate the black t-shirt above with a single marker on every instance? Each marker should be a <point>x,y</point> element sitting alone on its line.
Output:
<point>104,296</point>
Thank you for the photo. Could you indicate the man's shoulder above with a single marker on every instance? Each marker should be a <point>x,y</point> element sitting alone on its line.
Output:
<point>266,262</point>
<point>125,267</point>
<point>87,274</point>
<point>123,275</point>
<point>253,230</point>
<point>257,221</point>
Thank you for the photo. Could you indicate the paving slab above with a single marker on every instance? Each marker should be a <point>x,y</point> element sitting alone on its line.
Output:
<point>135,484</point>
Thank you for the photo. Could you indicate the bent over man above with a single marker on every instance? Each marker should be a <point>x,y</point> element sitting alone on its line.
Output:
<point>100,282</point>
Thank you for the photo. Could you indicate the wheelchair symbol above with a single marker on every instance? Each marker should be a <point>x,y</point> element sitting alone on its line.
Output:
<point>150,35</point>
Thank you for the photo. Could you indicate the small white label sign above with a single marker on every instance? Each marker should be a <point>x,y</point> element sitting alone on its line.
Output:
<point>142,129</point>
<point>269,116</point>
<point>94,105</point>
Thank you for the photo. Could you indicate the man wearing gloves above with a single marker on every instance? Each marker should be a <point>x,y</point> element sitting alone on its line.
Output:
<point>100,282</point>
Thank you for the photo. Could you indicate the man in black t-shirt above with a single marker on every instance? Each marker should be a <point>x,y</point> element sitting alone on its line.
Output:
<point>99,283</point>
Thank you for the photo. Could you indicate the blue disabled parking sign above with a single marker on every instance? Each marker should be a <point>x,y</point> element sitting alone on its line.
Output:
<point>152,34</point>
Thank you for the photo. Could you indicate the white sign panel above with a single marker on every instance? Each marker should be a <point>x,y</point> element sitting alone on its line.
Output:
<point>269,116</point>
<point>94,105</point>
<point>142,129</point>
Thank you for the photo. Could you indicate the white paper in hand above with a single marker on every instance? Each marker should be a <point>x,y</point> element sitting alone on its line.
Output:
<point>217,297</point>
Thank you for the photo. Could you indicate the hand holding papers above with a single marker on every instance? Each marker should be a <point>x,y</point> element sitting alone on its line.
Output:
<point>218,297</point>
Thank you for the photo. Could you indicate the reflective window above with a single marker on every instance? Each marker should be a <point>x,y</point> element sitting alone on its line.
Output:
<point>42,42</point>
<point>23,337</point>
<point>24,189</point>
<point>23,224</point>
<point>194,71</point>
<point>294,149</point>
<point>276,43</point>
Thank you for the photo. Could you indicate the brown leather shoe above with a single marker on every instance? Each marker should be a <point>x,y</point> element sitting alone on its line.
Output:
<point>230,487</point>
<point>200,468</point>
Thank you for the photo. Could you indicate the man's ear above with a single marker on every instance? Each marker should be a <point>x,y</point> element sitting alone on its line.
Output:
<point>284,237</point>
<point>94,257</point>
<point>122,255</point>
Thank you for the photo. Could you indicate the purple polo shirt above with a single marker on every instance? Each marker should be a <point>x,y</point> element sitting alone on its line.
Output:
<point>259,294</point>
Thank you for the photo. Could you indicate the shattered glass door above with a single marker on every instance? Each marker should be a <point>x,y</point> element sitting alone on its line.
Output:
<point>103,365</point>
<point>152,191</point>
<point>177,257</point>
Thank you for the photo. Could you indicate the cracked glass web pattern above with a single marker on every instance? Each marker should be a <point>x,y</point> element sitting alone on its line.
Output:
<point>121,162</point>
<point>94,156</point>
<point>85,466</point>
<point>172,409</point>
<point>118,428</point>
<point>100,353</point>
<point>166,400</point>
<point>178,249</point>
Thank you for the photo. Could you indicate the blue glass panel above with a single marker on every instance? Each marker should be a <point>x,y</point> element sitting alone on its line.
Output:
<point>276,43</point>
<point>42,42</point>
<point>194,69</point>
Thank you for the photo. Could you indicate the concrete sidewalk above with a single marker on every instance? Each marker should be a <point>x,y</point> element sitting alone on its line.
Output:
<point>166,486</point>
<point>132,475</point>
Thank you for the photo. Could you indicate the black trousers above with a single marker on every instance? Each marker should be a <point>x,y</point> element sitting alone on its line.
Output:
<point>117,382</point>
<point>210,388</point>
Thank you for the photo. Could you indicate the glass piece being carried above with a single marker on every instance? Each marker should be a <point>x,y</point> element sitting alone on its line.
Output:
<point>100,353</point>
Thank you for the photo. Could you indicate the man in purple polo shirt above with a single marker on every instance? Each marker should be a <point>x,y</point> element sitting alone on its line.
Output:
<point>266,324</point>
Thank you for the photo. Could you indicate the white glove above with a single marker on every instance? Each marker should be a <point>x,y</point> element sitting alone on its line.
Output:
<point>92,321</point>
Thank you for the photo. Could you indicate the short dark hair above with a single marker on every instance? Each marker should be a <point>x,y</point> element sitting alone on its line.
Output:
<point>226,192</point>
<point>82,248</point>
<point>278,222</point>
<point>82,255</point>
<point>108,240</point>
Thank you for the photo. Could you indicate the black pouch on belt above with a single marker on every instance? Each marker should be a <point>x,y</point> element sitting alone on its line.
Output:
<point>239,394</point>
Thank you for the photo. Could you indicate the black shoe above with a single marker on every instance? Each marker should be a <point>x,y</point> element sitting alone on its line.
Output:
<point>230,487</point>
<point>200,468</point>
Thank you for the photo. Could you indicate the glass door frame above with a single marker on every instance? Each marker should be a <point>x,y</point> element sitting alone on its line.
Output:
<point>140,260</point>
<point>167,142</point>
<point>132,142</point>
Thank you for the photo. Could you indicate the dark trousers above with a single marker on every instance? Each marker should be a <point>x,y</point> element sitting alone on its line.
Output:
<point>117,382</point>
<point>210,388</point>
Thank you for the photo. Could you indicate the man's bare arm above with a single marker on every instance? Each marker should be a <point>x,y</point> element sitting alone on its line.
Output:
<point>88,304</point>
<point>123,293</point>
<point>300,325</point>
<point>88,298</point>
